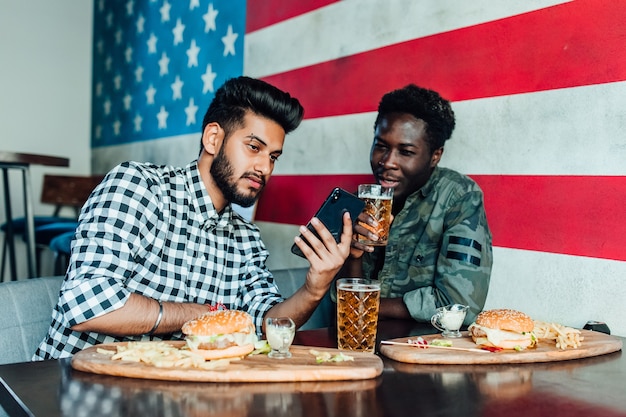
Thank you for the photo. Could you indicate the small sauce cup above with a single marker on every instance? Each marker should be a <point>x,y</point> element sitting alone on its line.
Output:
<point>280,332</point>
<point>449,319</point>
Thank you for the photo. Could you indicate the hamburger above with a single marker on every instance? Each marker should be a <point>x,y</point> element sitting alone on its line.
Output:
<point>503,328</point>
<point>221,334</point>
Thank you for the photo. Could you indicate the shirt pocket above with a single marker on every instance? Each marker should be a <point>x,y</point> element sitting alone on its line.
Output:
<point>420,263</point>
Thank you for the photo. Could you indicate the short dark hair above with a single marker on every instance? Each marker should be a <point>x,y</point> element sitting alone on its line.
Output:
<point>241,94</point>
<point>424,104</point>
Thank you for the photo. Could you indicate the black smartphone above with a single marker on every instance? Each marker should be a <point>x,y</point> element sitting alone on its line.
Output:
<point>331,214</point>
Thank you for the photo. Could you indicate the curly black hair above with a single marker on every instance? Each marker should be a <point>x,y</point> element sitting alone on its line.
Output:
<point>424,104</point>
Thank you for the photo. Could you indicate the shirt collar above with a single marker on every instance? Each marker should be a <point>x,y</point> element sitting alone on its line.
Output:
<point>205,212</point>
<point>428,187</point>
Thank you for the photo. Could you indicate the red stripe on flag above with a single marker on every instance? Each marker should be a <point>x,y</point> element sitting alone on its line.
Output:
<point>574,215</point>
<point>294,199</point>
<point>262,13</point>
<point>573,44</point>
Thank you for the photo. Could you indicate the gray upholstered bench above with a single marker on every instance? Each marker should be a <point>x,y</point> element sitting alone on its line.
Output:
<point>288,281</point>
<point>25,314</point>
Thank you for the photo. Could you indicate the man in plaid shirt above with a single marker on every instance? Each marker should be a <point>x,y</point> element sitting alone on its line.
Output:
<point>159,245</point>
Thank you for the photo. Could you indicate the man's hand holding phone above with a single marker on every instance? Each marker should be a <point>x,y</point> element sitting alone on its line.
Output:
<point>319,241</point>
<point>326,240</point>
<point>330,214</point>
<point>325,255</point>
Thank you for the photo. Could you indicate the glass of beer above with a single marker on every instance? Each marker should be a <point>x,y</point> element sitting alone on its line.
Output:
<point>357,313</point>
<point>378,205</point>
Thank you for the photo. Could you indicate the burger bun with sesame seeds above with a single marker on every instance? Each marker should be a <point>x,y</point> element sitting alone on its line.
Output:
<point>221,334</point>
<point>504,329</point>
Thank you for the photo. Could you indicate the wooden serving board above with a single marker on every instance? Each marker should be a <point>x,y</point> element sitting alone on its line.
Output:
<point>594,344</point>
<point>256,368</point>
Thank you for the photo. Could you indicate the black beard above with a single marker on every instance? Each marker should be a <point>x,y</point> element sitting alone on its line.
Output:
<point>222,173</point>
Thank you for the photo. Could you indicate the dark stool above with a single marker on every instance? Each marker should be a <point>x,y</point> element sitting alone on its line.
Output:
<point>41,241</point>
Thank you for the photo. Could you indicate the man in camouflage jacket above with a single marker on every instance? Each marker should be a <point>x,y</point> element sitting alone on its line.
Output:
<point>439,249</point>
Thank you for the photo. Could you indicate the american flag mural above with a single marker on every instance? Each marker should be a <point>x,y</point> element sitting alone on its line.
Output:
<point>157,65</point>
<point>538,88</point>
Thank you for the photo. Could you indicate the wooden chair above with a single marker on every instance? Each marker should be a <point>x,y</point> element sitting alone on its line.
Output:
<point>61,191</point>
<point>68,191</point>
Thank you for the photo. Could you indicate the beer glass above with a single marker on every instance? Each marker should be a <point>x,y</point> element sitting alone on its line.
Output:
<point>378,205</point>
<point>358,300</point>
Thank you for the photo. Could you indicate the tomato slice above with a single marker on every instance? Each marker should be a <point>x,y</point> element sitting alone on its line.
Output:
<point>491,348</point>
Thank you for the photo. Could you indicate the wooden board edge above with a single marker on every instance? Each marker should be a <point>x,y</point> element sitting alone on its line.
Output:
<point>320,375</point>
<point>84,361</point>
<point>612,345</point>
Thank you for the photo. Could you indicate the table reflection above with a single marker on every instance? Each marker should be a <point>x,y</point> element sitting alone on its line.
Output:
<point>90,395</point>
<point>538,389</point>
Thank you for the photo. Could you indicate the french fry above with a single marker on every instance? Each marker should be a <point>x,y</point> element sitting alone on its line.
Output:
<point>162,355</point>
<point>564,337</point>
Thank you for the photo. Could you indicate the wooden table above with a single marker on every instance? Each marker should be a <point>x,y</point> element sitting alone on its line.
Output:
<point>22,162</point>
<point>584,387</point>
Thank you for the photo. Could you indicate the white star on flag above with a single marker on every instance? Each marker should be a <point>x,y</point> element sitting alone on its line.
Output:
<point>137,122</point>
<point>192,54</point>
<point>207,78</point>
<point>128,99</point>
<point>209,19</point>
<point>162,117</point>
<point>150,93</point>
<point>116,127</point>
<point>163,63</point>
<point>190,111</point>
<point>229,41</point>
<point>178,32</point>
<point>140,24</point>
<point>165,11</point>
<point>139,74</point>
<point>118,36</point>
<point>177,89</point>
<point>128,53</point>
<point>117,82</point>
<point>152,44</point>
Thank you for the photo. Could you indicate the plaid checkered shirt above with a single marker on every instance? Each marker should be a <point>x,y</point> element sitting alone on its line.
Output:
<point>153,230</point>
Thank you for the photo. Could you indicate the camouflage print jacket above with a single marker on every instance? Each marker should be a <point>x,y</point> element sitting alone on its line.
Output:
<point>439,249</point>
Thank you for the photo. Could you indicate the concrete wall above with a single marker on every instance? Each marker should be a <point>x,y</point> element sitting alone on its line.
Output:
<point>45,99</point>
